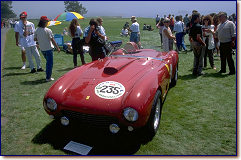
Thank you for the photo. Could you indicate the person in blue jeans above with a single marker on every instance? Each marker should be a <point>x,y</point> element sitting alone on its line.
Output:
<point>179,29</point>
<point>45,38</point>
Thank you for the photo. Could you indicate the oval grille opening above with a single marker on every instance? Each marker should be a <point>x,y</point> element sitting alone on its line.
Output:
<point>110,70</point>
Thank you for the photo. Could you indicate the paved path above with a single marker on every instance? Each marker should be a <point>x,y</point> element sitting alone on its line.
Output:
<point>3,39</point>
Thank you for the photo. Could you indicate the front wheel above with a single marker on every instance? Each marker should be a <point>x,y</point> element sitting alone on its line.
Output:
<point>153,122</point>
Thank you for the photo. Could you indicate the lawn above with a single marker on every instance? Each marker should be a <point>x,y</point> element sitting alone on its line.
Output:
<point>198,116</point>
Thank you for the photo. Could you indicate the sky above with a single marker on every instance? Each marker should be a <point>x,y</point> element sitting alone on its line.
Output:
<point>148,9</point>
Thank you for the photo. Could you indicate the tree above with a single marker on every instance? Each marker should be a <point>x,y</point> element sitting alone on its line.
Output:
<point>75,6</point>
<point>6,10</point>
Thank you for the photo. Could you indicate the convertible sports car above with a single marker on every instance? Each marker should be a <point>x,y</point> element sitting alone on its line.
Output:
<point>124,91</point>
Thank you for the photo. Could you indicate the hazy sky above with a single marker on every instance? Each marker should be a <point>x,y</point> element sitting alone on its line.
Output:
<point>150,9</point>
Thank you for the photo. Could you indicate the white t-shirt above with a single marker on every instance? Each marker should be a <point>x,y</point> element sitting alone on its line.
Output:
<point>29,40</point>
<point>44,36</point>
<point>78,32</point>
<point>135,27</point>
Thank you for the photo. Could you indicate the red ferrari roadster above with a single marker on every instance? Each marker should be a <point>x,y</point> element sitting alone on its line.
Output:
<point>124,91</point>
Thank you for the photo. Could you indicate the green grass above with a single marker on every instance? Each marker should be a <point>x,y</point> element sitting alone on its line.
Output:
<point>198,116</point>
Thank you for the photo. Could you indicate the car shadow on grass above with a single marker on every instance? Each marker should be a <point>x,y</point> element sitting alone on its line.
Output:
<point>35,82</point>
<point>102,141</point>
<point>14,74</point>
<point>65,69</point>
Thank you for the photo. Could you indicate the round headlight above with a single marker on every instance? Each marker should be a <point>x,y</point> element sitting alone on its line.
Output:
<point>130,114</point>
<point>50,104</point>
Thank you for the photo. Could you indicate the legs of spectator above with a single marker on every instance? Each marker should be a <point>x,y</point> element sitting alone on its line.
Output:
<point>210,56</point>
<point>29,56</point>
<point>75,58</point>
<point>36,54</point>
<point>179,40</point>
<point>82,58</point>
<point>48,55</point>
<point>23,55</point>
<point>198,59</point>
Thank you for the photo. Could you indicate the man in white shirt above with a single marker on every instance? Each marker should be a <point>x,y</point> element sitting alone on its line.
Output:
<point>179,29</point>
<point>135,32</point>
<point>226,33</point>
<point>25,31</point>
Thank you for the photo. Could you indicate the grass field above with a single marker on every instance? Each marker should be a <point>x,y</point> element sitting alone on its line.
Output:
<point>198,116</point>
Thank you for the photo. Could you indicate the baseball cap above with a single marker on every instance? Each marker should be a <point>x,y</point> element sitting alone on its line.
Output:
<point>133,18</point>
<point>23,14</point>
<point>44,18</point>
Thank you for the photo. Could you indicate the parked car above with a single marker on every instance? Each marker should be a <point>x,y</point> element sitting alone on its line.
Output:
<point>124,91</point>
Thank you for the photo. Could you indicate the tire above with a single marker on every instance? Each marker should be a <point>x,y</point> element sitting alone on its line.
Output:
<point>153,122</point>
<point>174,79</point>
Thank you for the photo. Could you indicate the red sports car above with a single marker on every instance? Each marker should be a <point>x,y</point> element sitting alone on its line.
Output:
<point>124,91</point>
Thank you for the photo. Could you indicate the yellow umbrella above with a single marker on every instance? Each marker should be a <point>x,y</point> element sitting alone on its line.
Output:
<point>53,23</point>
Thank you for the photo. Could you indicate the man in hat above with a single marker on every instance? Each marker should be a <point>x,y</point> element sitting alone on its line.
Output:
<point>135,32</point>
<point>25,31</point>
<point>226,33</point>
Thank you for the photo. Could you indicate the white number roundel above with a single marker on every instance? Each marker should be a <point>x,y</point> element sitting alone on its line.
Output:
<point>109,90</point>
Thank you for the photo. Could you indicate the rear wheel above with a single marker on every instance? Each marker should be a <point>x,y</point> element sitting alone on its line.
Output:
<point>154,120</point>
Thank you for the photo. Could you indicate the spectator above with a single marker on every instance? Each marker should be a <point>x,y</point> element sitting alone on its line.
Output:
<point>46,41</point>
<point>126,25</point>
<point>77,45</point>
<point>95,40</point>
<point>226,33</point>
<point>101,28</point>
<point>197,43</point>
<point>167,36</point>
<point>124,32</point>
<point>172,22</point>
<point>179,29</point>
<point>25,30</point>
<point>160,26</point>
<point>216,41</point>
<point>135,32</point>
<point>157,19</point>
<point>186,20</point>
<point>208,31</point>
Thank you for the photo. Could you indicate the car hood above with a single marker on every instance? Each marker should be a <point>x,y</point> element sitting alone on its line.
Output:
<point>78,89</point>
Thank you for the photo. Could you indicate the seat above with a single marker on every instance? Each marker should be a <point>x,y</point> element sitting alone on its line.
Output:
<point>59,39</point>
<point>131,47</point>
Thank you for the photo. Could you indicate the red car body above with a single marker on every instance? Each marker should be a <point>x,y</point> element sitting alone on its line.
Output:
<point>135,75</point>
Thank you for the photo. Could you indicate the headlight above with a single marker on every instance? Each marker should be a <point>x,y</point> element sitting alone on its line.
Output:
<point>50,104</point>
<point>130,114</point>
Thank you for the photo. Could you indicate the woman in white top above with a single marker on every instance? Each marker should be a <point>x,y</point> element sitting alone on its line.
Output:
<point>167,36</point>
<point>77,45</point>
<point>208,32</point>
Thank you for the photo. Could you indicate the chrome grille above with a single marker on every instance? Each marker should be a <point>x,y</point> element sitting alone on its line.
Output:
<point>95,120</point>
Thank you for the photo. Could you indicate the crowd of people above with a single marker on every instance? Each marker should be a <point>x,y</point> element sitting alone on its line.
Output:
<point>206,33</point>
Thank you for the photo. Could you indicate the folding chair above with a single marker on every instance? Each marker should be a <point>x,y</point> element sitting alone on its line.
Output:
<point>59,39</point>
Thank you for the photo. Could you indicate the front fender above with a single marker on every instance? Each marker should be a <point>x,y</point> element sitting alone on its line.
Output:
<point>141,96</point>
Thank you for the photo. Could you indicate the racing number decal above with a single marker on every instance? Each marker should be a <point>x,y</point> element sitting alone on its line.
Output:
<point>109,90</point>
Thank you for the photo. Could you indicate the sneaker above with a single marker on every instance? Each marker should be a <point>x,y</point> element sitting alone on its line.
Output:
<point>50,79</point>
<point>23,67</point>
<point>40,70</point>
<point>33,70</point>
